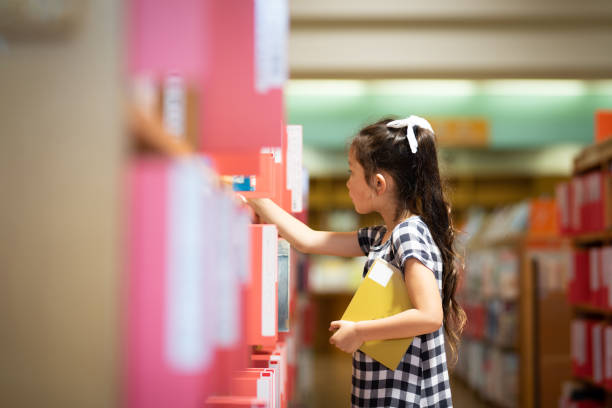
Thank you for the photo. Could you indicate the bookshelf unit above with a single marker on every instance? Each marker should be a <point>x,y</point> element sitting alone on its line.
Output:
<point>588,223</point>
<point>213,303</point>
<point>513,292</point>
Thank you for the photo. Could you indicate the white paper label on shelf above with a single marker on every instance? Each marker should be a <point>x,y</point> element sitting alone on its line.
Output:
<point>380,273</point>
<point>294,166</point>
<point>275,366</point>
<point>188,334</point>
<point>174,105</point>
<point>271,44</point>
<point>242,245</point>
<point>279,361</point>
<point>228,286</point>
<point>269,266</point>
<point>608,352</point>
<point>264,387</point>
<point>597,360</point>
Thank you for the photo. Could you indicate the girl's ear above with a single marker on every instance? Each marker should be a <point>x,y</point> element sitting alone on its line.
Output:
<point>380,183</point>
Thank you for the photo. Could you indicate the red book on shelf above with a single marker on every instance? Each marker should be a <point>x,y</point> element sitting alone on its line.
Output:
<point>582,348</point>
<point>579,279</point>
<point>607,355</point>
<point>265,178</point>
<point>592,209</point>
<point>597,288</point>
<point>308,311</point>
<point>262,296</point>
<point>599,203</point>
<point>597,350</point>
<point>606,271</point>
<point>576,204</point>
<point>291,359</point>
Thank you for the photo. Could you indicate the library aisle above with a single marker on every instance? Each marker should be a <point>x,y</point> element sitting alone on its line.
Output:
<point>159,160</point>
<point>334,388</point>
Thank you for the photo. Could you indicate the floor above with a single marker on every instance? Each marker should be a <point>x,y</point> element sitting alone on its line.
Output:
<point>331,385</point>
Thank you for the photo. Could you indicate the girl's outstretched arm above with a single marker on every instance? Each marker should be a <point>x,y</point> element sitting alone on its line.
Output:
<point>425,317</point>
<point>302,237</point>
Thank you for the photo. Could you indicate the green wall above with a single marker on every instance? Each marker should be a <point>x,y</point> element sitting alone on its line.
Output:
<point>516,121</point>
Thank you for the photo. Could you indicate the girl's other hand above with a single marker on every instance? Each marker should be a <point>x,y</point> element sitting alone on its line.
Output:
<point>346,337</point>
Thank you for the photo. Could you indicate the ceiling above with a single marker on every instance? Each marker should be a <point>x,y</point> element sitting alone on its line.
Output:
<point>450,39</point>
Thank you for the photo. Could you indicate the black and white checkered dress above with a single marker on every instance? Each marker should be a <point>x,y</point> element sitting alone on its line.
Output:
<point>421,379</point>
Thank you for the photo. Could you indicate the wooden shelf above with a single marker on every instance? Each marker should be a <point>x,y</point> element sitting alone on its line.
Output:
<point>513,240</point>
<point>592,238</point>
<point>518,240</point>
<point>499,298</point>
<point>593,157</point>
<point>510,348</point>
<point>590,382</point>
<point>588,309</point>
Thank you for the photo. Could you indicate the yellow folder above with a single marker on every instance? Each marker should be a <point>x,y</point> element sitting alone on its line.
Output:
<point>382,293</point>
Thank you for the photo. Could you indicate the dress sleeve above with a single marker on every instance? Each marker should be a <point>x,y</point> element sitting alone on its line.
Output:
<point>411,240</point>
<point>367,237</point>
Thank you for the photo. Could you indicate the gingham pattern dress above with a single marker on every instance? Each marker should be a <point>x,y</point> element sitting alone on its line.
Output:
<point>421,379</point>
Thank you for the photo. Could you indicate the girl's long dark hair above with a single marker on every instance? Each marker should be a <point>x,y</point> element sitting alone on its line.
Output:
<point>420,190</point>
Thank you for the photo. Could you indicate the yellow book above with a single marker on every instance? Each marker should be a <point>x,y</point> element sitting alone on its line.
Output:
<point>382,293</point>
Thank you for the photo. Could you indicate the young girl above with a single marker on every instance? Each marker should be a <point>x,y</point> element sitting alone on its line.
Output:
<point>394,172</point>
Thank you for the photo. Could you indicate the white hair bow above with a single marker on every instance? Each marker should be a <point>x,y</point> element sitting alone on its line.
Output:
<point>410,122</point>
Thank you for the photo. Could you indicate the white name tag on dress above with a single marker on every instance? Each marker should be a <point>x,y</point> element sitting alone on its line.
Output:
<point>381,273</point>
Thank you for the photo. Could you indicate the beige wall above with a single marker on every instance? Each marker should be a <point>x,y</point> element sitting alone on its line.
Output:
<point>60,152</point>
<point>450,39</point>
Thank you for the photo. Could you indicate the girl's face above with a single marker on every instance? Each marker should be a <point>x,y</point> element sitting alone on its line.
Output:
<point>359,190</point>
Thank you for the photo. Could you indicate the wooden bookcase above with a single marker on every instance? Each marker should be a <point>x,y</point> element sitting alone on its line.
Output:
<point>596,157</point>
<point>542,315</point>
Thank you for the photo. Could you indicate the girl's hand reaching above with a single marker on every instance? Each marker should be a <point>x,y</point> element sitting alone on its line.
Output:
<point>346,337</point>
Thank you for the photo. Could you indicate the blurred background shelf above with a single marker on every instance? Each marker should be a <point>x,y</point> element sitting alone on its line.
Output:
<point>593,157</point>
